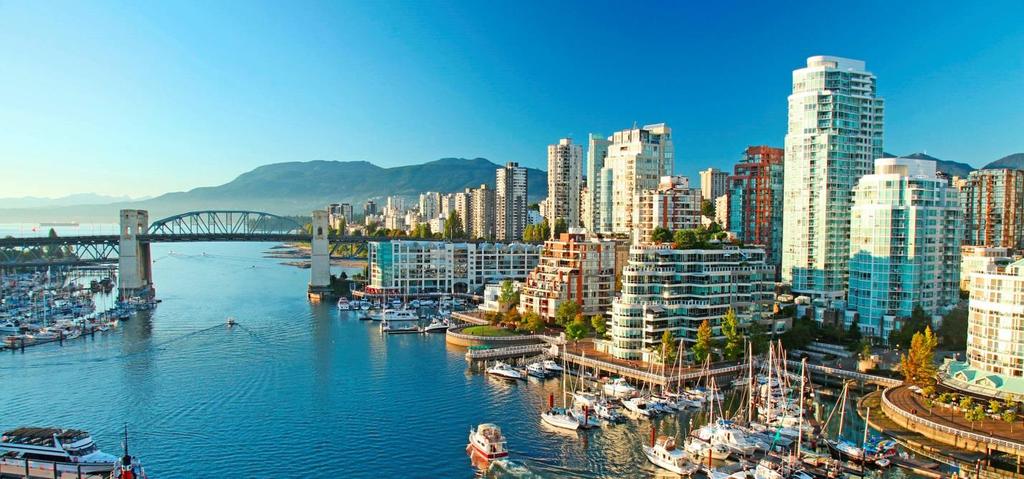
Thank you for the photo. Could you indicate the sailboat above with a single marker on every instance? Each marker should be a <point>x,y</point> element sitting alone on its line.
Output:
<point>875,452</point>
<point>565,417</point>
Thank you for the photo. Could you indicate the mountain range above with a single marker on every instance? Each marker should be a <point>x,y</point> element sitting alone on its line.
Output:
<point>295,188</point>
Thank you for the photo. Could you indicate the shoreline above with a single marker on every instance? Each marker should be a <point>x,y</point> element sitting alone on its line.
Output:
<point>297,255</point>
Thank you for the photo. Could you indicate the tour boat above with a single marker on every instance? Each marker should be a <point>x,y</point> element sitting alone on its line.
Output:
<point>560,418</point>
<point>436,326</point>
<point>343,304</point>
<point>536,370</point>
<point>69,449</point>
<point>664,454</point>
<point>503,370</point>
<point>487,440</point>
<point>402,327</point>
<point>127,466</point>
<point>619,388</point>
<point>552,366</point>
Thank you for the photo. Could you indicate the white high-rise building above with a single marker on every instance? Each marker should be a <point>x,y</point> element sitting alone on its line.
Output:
<point>464,209</point>
<point>510,202</point>
<point>637,159</point>
<point>713,183</point>
<point>483,213</point>
<point>597,150</point>
<point>430,205</point>
<point>834,135</point>
<point>565,175</point>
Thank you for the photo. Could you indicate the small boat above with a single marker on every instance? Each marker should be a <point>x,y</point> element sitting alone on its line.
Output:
<point>488,441</point>
<point>365,306</point>
<point>436,326</point>
<point>607,411</point>
<point>585,417</point>
<point>536,370</point>
<point>128,466</point>
<point>401,327</point>
<point>560,418</point>
<point>619,388</point>
<point>552,366</point>
<point>71,450</point>
<point>10,327</point>
<point>503,370</point>
<point>699,448</point>
<point>664,454</point>
<point>343,304</point>
<point>231,322</point>
<point>399,315</point>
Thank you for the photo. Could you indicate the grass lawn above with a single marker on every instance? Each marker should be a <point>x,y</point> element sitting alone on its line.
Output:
<point>485,330</point>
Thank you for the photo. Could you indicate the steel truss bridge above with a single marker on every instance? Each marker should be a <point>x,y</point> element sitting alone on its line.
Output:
<point>195,226</point>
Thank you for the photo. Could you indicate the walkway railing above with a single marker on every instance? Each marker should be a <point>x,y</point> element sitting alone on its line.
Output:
<point>509,352</point>
<point>884,381</point>
<point>623,370</point>
<point>1019,447</point>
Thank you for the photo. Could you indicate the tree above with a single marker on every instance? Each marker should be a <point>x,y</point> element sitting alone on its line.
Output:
<point>995,405</point>
<point>953,331</point>
<point>508,296</point>
<point>975,415</point>
<point>598,323</point>
<point>512,317</point>
<point>758,338</point>
<point>566,312</point>
<point>669,350</point>
<point>966,403</point>
<point>684,239</point>
<point>1009,417</point>
<point>702,348</point>
<point>453,228</point>
<point>917,322</point>
<point>707,208</point>
<point>918,363</point>
<point>532,322</point>
<point>854,332</point>
<point>733,341</point>
<point>661,235</point>
<point>577,329</point>
<point>801,334</point>
<point>560,226</point>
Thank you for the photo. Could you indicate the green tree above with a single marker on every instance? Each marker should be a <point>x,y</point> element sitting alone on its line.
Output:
<point>707,208</point>
<point>702,348</point>
<point>566,312</point>
<point>53,251</point>
<point>661,235</point>
<point>854,332</point>
<point>918,321</point>
<point>953,331</point>
<point>453,228</point>
<point>995,405</point>
<point>918,363</point>
<point>1009,417</point>
<point>561,226</point>
<point>598,323</point>
<point>804,331</point>
<point>758,338</point>
<point>966,403</point>
<point>669,350</point>
<point>733,341</point>
<point>509,295</point>
<point>532,322</point>
<point>685,239</point>
<point>577,329</point>
<point>975,415</point>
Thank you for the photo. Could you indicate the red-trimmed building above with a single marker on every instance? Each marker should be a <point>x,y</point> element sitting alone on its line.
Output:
<point>572,267</point>
<point>755,200</point>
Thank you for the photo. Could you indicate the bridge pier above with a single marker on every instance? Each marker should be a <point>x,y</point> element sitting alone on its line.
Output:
<point>320,257</point>
<point>135,264</point>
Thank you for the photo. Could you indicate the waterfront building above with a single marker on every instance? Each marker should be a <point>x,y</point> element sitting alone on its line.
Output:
<point>565,177</point>
<point>834,134</point>
<point>981,259</point>
<point>905,236</point>
<point>993,203</point>
<point>713,183</point>
<point>675,290</point>
<point>636,160</point>
<point>369,208</point>
<point>483,213</point>
<point>597,151</point>
<point>995,337</point>
<point>673,205</point>
<point>755,200</point>
<point>419,267</point>
<point>510,205</point>
<point>573,267</point>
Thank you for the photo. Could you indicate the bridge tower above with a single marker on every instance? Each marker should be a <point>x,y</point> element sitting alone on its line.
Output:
<point>135,266</point>
<point>320,256</point>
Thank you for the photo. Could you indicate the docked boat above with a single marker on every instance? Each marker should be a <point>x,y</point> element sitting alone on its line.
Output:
<point>560,418</point>
<point>343,304</point>
<point>638,406</point>
<point>10,327</point>
<point>726,434</point>
<point>664,454</point>
<point>436,325</point>
<point>365,306</point>
<point>618,389</point>
<point>503,370</point>
<point>698,448</point>
<point>536,370</point>
<point>399,315</point>
<point>551,366</point>
<point>69,449</point>
<point>585,417</point>
<point>401,327</point>
<point>488,441</point>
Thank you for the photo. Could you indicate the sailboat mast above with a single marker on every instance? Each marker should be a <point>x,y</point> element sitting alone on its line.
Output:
<point>800,426</point>
<point>750,383</point>
<point>842,411</point>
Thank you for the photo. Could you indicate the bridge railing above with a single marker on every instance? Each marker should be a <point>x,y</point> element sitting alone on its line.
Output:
<point>982,438</point>
<point>888,382</point>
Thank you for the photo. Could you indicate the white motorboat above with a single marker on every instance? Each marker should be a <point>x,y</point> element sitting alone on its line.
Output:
<point>402,327</point>
<point>608,412</point>
<point>585,416</point>
<point>560,418</point>
<point>619,388</point>
<point>365,306</point>
<point>699,448</point>
<point>536,370</point>
<point>71,450</point>
<point>665,455</point>
<point>552,366</point>
<point>436,326</point>
<point>488,441</point>
<point>505,371</point>
<point>638,406</point>
<point>724,433</point>
<point>399,315</point>
<point>343,304</point>
<point>9,327</point>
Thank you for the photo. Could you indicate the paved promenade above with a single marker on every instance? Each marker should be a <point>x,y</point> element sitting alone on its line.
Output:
<point>906,400</point>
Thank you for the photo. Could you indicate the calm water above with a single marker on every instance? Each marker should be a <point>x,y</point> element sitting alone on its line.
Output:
<point>295,390</point>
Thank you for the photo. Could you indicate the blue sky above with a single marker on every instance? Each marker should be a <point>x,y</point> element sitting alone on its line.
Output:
<point>141,98</point>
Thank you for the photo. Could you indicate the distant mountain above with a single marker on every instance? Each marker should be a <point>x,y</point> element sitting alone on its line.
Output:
<point>951,168</point>
<point>1014,161</point>
<point>70,200</point>
<point>300,187</point>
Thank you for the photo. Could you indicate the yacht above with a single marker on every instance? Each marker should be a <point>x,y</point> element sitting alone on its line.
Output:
<point>665,455</point>
<point>69,449</point>
<point>560,418</point>
<point>638,406</point>
<point>487,440</point>
<point>399,315</point>
<point>343,304</point>
<point>552,366</point>
<point>436,325</point>
<point>503,370</point>
<point>10,327</point>
<point>699,448</point>
<point>536,370</point>
<point>401,327</point>
<point>619,388</point>
<point>724,433</point>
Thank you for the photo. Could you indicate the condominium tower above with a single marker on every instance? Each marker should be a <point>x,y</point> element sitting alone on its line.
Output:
<point>713,183</point>
<point>597,150</point>
<point>835,133</point>
<point>755,200</point>
<point>905,235</point>
<point>637,158</point>
<point>483,213</point>
<point>565,177</point>
<point>673,205</point>
<point>993,202</point>
<point>510,202</point>
<point>573,268</point>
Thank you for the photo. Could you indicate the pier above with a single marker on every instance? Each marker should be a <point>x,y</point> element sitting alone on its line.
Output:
<point>25,469</point>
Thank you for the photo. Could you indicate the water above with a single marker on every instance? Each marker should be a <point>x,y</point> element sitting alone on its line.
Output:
<point>295,390</point>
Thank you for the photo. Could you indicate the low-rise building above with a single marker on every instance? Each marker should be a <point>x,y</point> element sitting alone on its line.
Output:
<point>575,268</point>
<point>422,267</point>
<point>675,290</point>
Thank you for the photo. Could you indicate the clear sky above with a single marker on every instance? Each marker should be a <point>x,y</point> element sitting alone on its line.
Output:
<point>140,98</point>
